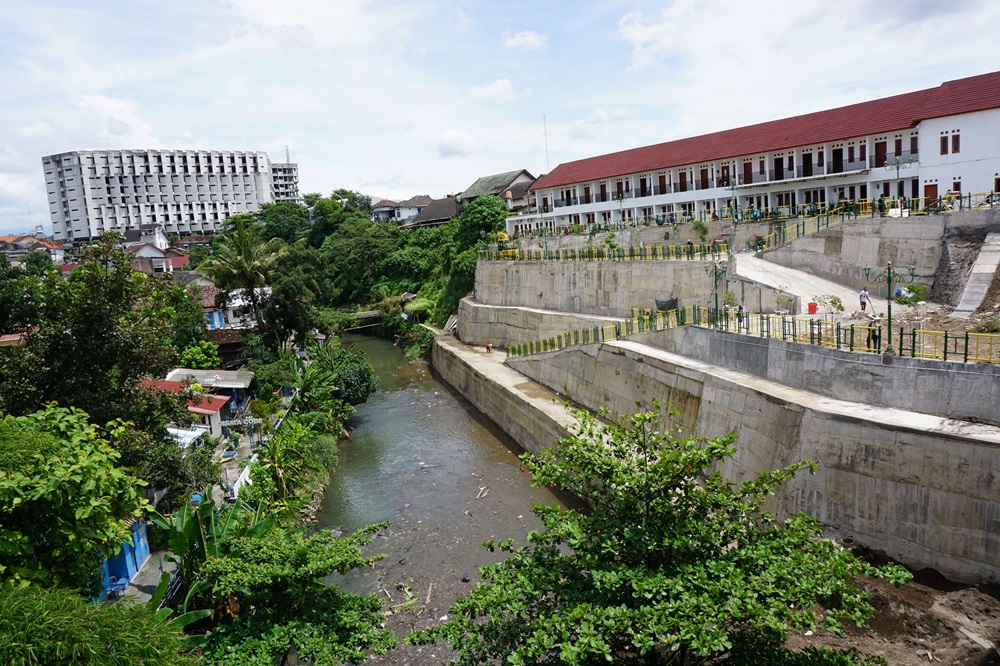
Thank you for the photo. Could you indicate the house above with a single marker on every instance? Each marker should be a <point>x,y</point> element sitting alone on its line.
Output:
<point>407,210</point>
<point>150,259</point>
<point>912,148</point>
<point>498,184</point>
<point>128,561</point>
<point>207,409</point>
<point>230,343</point>
<point>234,384</point>
<point>15,247</point>
<point>152,234</point>
<point>384,210</point>
<point>189,242</point>
<point>437,212</point>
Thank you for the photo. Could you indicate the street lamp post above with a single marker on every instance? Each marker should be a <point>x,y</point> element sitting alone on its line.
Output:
<point>889,276</point>
<point>717,270</point>
<point>736,215</point>
<point>897,165</point>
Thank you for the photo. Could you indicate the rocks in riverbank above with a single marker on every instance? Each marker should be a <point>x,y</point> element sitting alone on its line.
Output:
<point>310,510</point>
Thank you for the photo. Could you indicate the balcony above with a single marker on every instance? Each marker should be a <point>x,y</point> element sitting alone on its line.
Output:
<point>877,161</point>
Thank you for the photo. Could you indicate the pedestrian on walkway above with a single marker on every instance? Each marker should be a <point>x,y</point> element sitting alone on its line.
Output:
<point>874,331</point>
<point>864,299</point>
<point>489,348</point>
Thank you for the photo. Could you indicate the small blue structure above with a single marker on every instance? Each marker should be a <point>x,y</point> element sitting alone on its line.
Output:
<point>121,568</point>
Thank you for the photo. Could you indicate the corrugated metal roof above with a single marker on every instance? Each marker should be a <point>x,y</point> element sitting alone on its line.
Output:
<point>889,114</point>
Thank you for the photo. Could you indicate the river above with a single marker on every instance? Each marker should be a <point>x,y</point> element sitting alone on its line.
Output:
<point>423,458</point>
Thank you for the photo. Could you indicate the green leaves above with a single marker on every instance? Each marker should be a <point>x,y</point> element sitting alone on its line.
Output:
<point>673,563</point>
<point>62,500</point>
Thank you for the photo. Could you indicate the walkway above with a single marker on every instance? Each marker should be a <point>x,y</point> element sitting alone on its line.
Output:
<point>143,584</point>
<point>804,285</point>
<point>981,277</point>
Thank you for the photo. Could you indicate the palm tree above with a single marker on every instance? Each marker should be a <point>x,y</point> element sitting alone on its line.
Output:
<point>244,261</point>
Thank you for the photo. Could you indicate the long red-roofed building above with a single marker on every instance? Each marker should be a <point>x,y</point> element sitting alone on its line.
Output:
<point>944,139</point>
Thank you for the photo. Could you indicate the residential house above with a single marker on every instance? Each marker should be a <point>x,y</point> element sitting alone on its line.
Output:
<point>235,384</point>
<point>407,210</point>
<point>437,212</point>
<point>15,247</point>
<point>152,234</point>
<point>207,409</point>
<point>148,258</point>
<point>499,184</point>
<point>384,210</point>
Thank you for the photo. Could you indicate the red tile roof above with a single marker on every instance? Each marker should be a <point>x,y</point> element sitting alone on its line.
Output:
<point>209,404</point>
<point>889,114</point>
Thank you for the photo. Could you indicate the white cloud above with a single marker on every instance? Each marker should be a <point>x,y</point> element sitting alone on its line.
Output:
<point>457,143</point>
<point>527,40</point>
<point>500,90</point>
<point>35,129</point>
<point>117,124</point>
<point>590,127</point>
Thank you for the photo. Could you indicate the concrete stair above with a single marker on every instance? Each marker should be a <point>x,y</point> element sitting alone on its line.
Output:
<point>980,279</point>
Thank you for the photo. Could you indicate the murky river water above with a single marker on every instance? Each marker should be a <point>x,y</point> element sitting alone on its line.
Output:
<point>422,457</point>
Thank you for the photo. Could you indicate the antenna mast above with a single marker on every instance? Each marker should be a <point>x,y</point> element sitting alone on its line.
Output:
<point>288,158</point>
<point>545,133</point>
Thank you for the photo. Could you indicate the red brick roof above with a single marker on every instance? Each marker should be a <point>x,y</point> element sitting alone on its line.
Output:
<point>208,404</point>
<point>889,114</point>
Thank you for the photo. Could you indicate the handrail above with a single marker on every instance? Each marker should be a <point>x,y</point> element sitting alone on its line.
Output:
<point>917,343</point>
<point>701,252</point>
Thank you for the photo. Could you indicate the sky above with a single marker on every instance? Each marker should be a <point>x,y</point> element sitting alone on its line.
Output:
<point>396,98</point>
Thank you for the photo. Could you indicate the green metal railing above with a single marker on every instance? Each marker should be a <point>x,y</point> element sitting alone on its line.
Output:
<point>707,251</point>
<point>916,343</point>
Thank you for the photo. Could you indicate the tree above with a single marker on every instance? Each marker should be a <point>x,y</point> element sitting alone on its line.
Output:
<point>285,220</point>
<point>484,216</point>
<point>674,564</point>
<point>37,262</point>
<point>310,198</point>
<point>354,202</point>
<point>187,319</point>
<point>63,501</point>
<point>272,599</point>
<point>57,627</point>
<point>90,339</point>
<point>200,356</point>
<point>299,285</point>
<point>356,252</point>
<point>243,261</point>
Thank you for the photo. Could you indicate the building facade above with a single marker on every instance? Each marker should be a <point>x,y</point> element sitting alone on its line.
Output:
<point>285,182</point>
<point>185,191</point>
<point>911,149</point>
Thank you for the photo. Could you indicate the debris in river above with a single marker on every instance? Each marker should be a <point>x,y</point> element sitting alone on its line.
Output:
<point>483,492</point>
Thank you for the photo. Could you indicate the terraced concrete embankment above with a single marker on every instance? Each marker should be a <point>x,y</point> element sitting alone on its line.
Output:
<point>922,488</point>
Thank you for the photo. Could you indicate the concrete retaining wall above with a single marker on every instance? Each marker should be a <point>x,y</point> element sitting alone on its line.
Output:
<point>605,288</point>
<point>965,391</point>
<point>529,413</point>
<point>504,326</point>
<point>909,486</point>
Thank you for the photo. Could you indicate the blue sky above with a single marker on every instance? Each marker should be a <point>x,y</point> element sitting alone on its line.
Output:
<point>396,98</point>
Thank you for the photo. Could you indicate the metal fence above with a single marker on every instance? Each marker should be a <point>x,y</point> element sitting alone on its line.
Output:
<point>917,343</point>
<point>707,251</point>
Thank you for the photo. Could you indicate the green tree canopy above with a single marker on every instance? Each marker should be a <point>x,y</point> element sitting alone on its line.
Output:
<point>202,355</point>
<point>674,564</point>
<point>356,252</point>
<point>57,627</point>
<point>244,261</point>
<point>90,339</point>
<point>37,262</point>
<point>285,220</point>
<point>62,499</point>
<point>484,216</point>
<point>272,591</point>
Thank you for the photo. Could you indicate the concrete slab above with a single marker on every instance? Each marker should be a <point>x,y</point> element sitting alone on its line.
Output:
<point>981,277</point>
<point>802,284</point>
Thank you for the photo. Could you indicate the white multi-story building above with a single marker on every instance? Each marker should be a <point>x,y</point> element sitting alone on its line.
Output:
<point>185,191</point>
<point>285,182</point>
<point>917,146</point>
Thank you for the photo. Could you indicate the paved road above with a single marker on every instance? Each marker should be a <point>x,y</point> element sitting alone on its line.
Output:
<point>802,284</point>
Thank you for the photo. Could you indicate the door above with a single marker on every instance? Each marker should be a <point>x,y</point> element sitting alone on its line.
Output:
<point>879,154</point>
<point>642,188</point>
<point>704,179</point>
<point>725,176</point>
<point>604,191</point>
<point>621,190</point>
<point>545,204</point>
<point>838,160</point>
<point>779,168</point>
<point>930,194</point>
<point>747,173</point>
<point>586,194</point>
<point>663,184</point>
<point>683,184</point>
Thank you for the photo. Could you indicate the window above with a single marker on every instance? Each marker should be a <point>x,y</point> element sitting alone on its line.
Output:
<point>898,145</point>
<point>850,153</point>
<point>819,158</point>
<point>761,167</point>
<point>955,143</point>
<point>913,145</point>
<point>956,186</point>
<point>944,145</point>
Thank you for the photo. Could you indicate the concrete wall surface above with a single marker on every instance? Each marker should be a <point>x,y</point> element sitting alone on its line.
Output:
<point>965,391</point>
<point>921,488</point>
<point>605,288</point>
<point>532,415</point>
<point>502,326</point>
